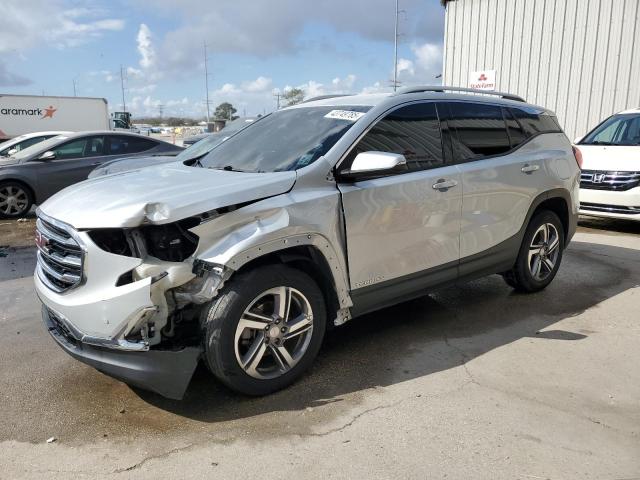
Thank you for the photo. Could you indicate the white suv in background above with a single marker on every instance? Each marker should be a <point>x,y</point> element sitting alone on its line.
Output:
<point>610,180</point>
<point>306,218</point>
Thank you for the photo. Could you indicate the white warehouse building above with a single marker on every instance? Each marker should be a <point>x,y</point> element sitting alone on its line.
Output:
<point>579,58</point>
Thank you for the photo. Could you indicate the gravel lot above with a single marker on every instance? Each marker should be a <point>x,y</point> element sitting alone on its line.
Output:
<point>474,382</point>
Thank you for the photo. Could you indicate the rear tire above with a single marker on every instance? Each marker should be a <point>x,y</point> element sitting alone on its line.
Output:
<point>540,254</point>
<point>16,199</point>
<point>264,329</point>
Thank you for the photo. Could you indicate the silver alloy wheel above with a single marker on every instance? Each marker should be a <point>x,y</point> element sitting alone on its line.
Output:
<point>273,333</point>
<point>544,251</point>
<point>13,200</point>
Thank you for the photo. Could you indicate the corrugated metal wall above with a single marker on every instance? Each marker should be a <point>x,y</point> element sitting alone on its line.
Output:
<point>579,58</point>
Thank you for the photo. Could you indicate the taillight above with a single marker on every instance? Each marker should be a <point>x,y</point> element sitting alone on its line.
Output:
<point>578,154</point>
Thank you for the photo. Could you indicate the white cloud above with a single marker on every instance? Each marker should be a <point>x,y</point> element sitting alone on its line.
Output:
<point>145,47</point>
<point>427,63</point>
<point>405,65</point>
<point>260,84</point>
<point>143,89</point>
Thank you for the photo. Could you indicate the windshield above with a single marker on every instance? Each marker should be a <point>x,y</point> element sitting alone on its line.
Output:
<point>284,140</point>
<point>616,130</point>
<point>204,146</point>
<point>41,146</point>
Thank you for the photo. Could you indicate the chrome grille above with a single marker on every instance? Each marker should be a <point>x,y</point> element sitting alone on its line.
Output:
<point>59,255</point>
<point>609,180</point>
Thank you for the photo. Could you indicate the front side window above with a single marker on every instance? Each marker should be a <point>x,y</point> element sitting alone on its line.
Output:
<point>617,130</point>
<point>73,149</point>
<point>83,147</point>
<point>412,131</point>
<point>479,130</point>
<point>284,140</point>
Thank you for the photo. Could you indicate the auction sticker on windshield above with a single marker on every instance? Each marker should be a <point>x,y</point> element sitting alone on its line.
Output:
<point>344,115</point>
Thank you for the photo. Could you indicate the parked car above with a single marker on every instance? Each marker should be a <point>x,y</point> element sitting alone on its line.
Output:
<point>229,129</point>
<point>37,172</point>
<point>191,154</point>
<point>21,142</point>
<point>313,215</point>
<point>610,180</point>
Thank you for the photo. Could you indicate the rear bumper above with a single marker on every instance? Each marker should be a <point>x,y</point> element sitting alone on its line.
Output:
<point>165,372</point>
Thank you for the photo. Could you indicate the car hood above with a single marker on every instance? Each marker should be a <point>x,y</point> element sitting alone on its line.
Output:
<point>125,164</point>
<point>610,158</point>
<point>159,195</point>
<point>6,161</point>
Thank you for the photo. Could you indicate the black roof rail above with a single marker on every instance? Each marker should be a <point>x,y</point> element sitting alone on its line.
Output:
<point>442,89</point>
<point>324,97</point>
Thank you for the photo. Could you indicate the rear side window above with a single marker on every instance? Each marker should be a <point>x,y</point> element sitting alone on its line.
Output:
<point>119,145</point>
<point>517,135</point>
<point>413,131</point>
<point>534,123</point>
<point>478,130</point>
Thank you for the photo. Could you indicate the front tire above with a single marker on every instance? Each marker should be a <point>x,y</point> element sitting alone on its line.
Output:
<point>15,200</point>
<point>540,254</point>
<point>265,329</point>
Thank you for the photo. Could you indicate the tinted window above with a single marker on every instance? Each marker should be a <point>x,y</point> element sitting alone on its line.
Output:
<point>616,130</point>
<point>534,122</point>
<point>122,145</point>
<point>517,136</point>
<point>136,145</point>
<point>28,142</point>
<point>413,131</point>
<point>479,130</point>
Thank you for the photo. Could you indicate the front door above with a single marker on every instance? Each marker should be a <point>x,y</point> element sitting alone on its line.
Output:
<point>72,163</point>
<point>401,228</point>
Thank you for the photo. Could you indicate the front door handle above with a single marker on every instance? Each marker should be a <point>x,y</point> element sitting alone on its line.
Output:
<point>444,185</point>
<point>529,168</point>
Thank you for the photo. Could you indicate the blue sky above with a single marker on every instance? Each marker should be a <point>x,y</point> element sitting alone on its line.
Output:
<point>256,48</point>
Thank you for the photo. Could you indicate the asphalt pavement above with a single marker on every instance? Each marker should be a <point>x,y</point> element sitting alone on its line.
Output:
<point>470,382</point>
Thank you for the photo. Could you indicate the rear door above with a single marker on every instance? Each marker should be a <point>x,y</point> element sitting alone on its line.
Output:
<point>72,163</point>
<point>398,226</point>
<point>502,172</point>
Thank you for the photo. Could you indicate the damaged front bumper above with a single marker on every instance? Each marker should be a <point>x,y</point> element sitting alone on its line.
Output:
<point>166,372</point>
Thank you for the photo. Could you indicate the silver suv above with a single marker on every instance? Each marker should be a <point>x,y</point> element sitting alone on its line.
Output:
<point>309,217</point>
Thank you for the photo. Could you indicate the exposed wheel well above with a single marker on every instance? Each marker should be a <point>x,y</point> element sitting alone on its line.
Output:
<point>308,259</point>
<point>559,206</point>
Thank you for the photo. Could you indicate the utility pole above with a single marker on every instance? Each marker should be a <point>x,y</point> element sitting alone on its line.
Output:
<point>74,88</point>
<point>395,52</point>
<point>124,106</point>
<point>206,79</point>
<point>160,110</point>
<point>277,95</point>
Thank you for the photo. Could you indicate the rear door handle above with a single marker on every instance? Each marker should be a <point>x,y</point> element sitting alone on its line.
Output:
<point>529,168</point>
<point>444,185</point>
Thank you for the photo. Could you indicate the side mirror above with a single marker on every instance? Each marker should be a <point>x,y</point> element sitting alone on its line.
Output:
<point>48,155</point>
<point>12,151</point>
<point>372,164</point>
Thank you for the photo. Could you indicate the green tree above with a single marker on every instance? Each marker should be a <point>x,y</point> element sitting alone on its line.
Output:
<point>293,96</point>
<point>226,111</point>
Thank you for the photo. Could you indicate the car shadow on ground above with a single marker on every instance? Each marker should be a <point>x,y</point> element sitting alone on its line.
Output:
<point>427,335</point>
<point>610,225</point>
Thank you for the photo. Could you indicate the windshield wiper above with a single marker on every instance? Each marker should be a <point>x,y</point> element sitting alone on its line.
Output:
<point>229,168</point>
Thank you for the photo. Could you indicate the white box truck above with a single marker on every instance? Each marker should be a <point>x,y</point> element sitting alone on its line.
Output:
<point>21,114</point>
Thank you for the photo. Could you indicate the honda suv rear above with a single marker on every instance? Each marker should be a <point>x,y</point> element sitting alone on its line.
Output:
<point>309,217</point>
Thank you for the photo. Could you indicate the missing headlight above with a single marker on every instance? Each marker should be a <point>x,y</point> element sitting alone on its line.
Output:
<point>172,242</point>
